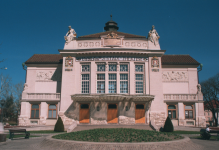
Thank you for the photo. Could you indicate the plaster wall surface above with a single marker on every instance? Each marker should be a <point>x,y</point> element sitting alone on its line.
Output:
<point>175,88</point>
<point>193,80</point>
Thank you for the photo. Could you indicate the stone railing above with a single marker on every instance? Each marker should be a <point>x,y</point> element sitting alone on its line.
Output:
<point>180,97</point>
<point>41,96</point>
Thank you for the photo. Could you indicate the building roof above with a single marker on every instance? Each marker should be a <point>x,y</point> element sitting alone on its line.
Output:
<point>165,59</point>
<point>97,35</point>
<point>45,59</point>
<point>178,60</point>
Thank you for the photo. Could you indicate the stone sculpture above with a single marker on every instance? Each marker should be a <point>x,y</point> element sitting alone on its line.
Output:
<point>70,35</point>
<point>153,36</point>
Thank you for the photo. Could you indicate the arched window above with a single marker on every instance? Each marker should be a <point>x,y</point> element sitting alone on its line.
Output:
<point>172,111</point>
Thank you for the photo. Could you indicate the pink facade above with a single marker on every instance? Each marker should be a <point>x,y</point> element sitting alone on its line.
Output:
<point>112,77</point>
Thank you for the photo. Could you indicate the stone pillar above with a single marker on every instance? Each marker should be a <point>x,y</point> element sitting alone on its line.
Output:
<point>132,78</point>
<point>200,118</point>
<point>43,113</point>
<point>181,113</point>
<point>23,119</point>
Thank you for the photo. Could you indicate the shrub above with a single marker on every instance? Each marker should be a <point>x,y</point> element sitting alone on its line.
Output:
<point>168,126</point>
<point>59,126</point>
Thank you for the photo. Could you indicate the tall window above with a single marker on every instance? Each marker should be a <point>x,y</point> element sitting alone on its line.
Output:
<point>85,83</point>
<point>85,68</point>
<point>124,68</point>
<point>52,111</point>
<point>123,83</point>
<point>100,83</point>
<point>112,83</point>
<point>138,68</point>
<point>100,67</point>
<point>188,111</point>
<point>35,111</point>
<point>139,83</point>
<point>112,67</point>
<point>172,111</point>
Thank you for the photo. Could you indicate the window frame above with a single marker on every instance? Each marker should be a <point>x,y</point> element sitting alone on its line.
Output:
<point>112,80</point>
<point>143,77</point>
<point>124,81</point>
<point>192,105</point>
<point>52,112</point>
<point>100,82</point>
<point>176,106</point>
<point>34,111</point>
<point>84,73</point>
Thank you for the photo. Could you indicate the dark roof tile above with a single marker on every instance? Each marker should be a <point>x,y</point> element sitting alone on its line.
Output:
<point>45,58</point>
<point>178,60</point>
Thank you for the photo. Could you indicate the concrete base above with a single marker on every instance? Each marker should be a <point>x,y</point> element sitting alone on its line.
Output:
<point>2,137</point>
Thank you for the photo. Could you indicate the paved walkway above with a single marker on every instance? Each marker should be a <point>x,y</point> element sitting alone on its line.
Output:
<point>44,143</point>
<point>37,143</point>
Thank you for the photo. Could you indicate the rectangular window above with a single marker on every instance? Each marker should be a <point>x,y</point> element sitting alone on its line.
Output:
<point>189,112</point>
<point>172,111</point>
<point>124,68</point>
<point>100,83</point>
<point>35,111</point>
<point>139,83</point>
<point>100,67</point>
<point>85,68</point>
<point>138,68</point>
<point>112,83</point>
<point>52,111</point>
<point>85,86</point>
<point>112,67</point>
<point>123,83</point>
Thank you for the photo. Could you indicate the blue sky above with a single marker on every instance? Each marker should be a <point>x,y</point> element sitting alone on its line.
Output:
<point>30,27</point>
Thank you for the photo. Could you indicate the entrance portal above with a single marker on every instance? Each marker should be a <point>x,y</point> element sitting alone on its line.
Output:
<point>112,116</point>
<point>84,115</point>
<point>139,113</point>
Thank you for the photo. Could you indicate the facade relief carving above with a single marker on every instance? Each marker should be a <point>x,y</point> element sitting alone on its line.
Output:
<point>155,62</point>
<point>45,75</point>
<point>175,76</point>
<point>69,61</point>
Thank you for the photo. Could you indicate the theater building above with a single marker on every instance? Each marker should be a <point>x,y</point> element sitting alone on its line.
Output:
<point>112,78</point>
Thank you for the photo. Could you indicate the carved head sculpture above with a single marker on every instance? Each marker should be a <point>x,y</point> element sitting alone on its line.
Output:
<point>153,27</point>
<point>69,27</point>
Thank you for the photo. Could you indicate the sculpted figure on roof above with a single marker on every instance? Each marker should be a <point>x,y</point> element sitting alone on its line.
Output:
<point>153,36</point>
<point>70,35</point>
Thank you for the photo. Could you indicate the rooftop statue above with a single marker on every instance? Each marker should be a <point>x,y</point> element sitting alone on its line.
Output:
<point>70,35</point>
<point>153,36</point>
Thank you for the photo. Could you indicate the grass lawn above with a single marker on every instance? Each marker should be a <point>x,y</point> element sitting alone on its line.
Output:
<point>118,135</point>
<point>45,131</point>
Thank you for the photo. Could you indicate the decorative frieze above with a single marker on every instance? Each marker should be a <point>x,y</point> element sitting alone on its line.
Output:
<point>116,58</point>
<point>175,76</point>
<point>54,75</point>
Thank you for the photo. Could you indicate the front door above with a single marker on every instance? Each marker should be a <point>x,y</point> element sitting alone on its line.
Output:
<point>112,116</point>
<point>139,113</point>
<point>84,115</point>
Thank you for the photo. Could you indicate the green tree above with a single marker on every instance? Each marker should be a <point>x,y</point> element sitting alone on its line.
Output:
<point>168,126</point>
<point>59,126</point>
<point>9,107</point>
